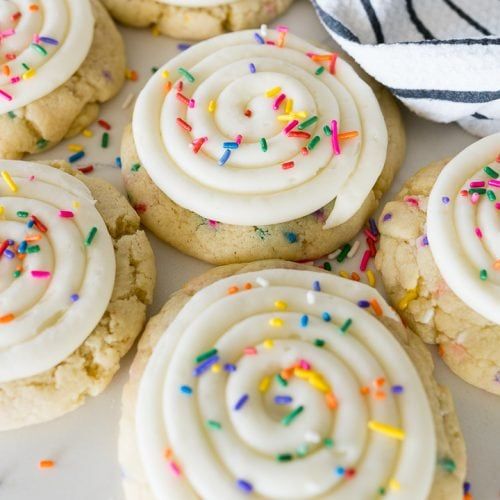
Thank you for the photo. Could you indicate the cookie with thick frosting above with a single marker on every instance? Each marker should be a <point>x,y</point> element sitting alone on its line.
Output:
<point>60,60</point>
<point>281,381</point>
<point>76,276</point>
<point>440,259</point>
<point>195,19</point>
<point>245,148</point>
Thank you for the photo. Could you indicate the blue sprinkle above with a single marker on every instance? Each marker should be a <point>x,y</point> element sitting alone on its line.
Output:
<point>245,486</point>
<point>22,247</point>
<point>74,297</point>
<point>253,69</point>
<point>340,471</point>
<point>205,365</point>
<point>397,389</point>
<point>223,159</point>
<point>304,320</point>
<point>30,223</point>
<point>76,156</point>
<point>118,162</point>
<point>316,286</point>
<point>230,145</point>
<point>326,316</point>
<point>48,40</point>
<point>364,304</point>
<point>445,200</point>
<point>241,402</point>
<point>185,389</point>
<point>291,237</point>
<point>228,367</point>
<point>373,226</point>
<point>259,39</point>
<point>183,46</point>
<point>283,400</point>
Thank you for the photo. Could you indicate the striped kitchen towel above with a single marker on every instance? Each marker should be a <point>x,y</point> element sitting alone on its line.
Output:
<point>440,57</point>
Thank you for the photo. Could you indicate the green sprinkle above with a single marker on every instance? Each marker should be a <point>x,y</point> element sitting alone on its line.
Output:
<point>302,450</point>
<point>327,266</point>
<point>307,123</point>
<point>346,325</point>
<point>154,69</point>
<point>327,130</point>
<point>483,274</point>
<point>39,49</point>
<point>11,114</point>
<point>328,442</point>
<point>491,172</point>
<point>448,464</point>
<point>105,140</point>
<point>205,355</point>
<point>281,380</point>
<point>491,195</point>
<point>381,491</point>
<point>314,142</point>
<point>343,253</point>
<point>135,167</point>
<point>25,66</point>
<point>263,144</point>
<point>477,190</point>
<point>90,237</point>
<point>33,249</point>
<point>41,143</point>
<point>186,74</point>
<point>22,214</point>
<point>213,424</point>
<point>284,457</point>
<point>288,419</point>
<point>16,274</point>
<point>320,70</point>
<point>319,342</point>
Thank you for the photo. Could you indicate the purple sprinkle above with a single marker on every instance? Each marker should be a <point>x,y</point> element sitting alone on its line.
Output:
<point>373,226</point>
<point>397,389</point>
<point>228,367</point>
<point>205,365</point>
<point>10,242</point>
<point>364,304</point>
<point>425,240</point>
<point>387,217</point>
<point>466,487</point>
<point>74,297</point>
<point>244,485</point>
<point>283,400</point>
<point>445,200</point>
<point>107,74</point>
<point>9,254</point>
<point>241,402</point>
<point>497,376</point>
<point>259,39</point>
<point>48,40</point>
<point>183,46</point>
<point>316,286</point>
<point>253,69</point>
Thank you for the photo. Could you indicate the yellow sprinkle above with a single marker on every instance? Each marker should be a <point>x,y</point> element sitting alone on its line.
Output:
<point>300,114</point>
<point>301,373</point>
<point>344,274</point>
<point>386,429</point>
<point>316,381</point>
<point>8,180</point>
<point>276,322</point>
<point>285,118</point>
<point>29,74</point>
<point>394,485</point>
<point>288,106</point>
<point>211,106</point>
<point>2,210</point>
<point>268,344</point>
<point>76,204</point>
<point>281,305</point>
<point>155,31</point>
<point>264,384</point>
<point>371,277</point>
<point>292,116</point>
<point>165,74</point>
<point>273,92</point>
<point>88,133</point>
<point>216,368</point>
<point>75,147</point>
<point>410,295</point>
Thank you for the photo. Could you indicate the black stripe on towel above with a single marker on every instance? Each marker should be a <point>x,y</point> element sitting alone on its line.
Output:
<point>372,16</point>
<point>464,96</point>
<point>335,25</point>
<point>417,22</point>
<point>461,41</point>
<point>466,17</point>
<point>479,116</point>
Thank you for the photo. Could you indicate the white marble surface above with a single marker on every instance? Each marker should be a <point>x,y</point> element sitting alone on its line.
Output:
<point>83,443</point>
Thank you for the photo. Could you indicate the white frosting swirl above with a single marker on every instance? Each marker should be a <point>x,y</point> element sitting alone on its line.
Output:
<point>42,44</point>
<point>464,228</point>
<point>223,429</point>
<point>55,282</point>
<point>234,74</point>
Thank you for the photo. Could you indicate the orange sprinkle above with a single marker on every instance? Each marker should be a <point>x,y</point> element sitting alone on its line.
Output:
<point>468,496</point>
<point>379,395</point>
<point>355,277</point>
<point>287,373</point>
<point>34,237</point>
<point>376,307</point>
<point>364,390</point>
<point>379,382</point>
<point>232,290</point>
<point>33,7</point>
<point>6,69</point>
<point>131,74</point>
<point>46,464</point>
<point>322,57</point>
<point>331,400</point>
<point>168,86</point>
<point>21,256</point>
<point>496,265</point>
<point>168,453</point>
<point>348,135</point>
<point>7,318</point>
<point>440,350</point>
<point>247,286</point>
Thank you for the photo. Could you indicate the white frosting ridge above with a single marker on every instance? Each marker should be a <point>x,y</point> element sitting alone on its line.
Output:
<point>213,443</point>
<point>43,43</point>
<point>464,229</point>
<point>253,187</point>
<point>44,319</point>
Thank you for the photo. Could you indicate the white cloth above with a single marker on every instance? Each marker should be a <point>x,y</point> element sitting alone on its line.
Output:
<point>439,57</point>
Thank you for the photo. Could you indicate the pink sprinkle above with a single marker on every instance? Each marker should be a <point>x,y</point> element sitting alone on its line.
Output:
<point>66,214</point>
<point>411,201</point>
<point>192,103</point>
<point>474,198</point>
<point>7,33</point>
<point>304,364</point>
<point>335,137</point>
<point>5,95</point>
<point>290,126</point>
<point>494,183</point>
<point>364,261</point>
<point>36,38</point>
<point>250,351</point>
<point>478,232</point>
<point>239,139</point>
<point>176,471</point>
<point>497,205</point>
<point>477,184</point>
<point>40,274</point>
<point>278,101</point>
<point>15,79</point>
<point>282,28</point>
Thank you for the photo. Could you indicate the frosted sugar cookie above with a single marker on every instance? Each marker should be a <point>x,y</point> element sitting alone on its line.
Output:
<point>195,19</point>
<point>76,275</point>
<point>244,148</point>
<point>60,59</point>
<point>440,259</point>
<point>276,380</point>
